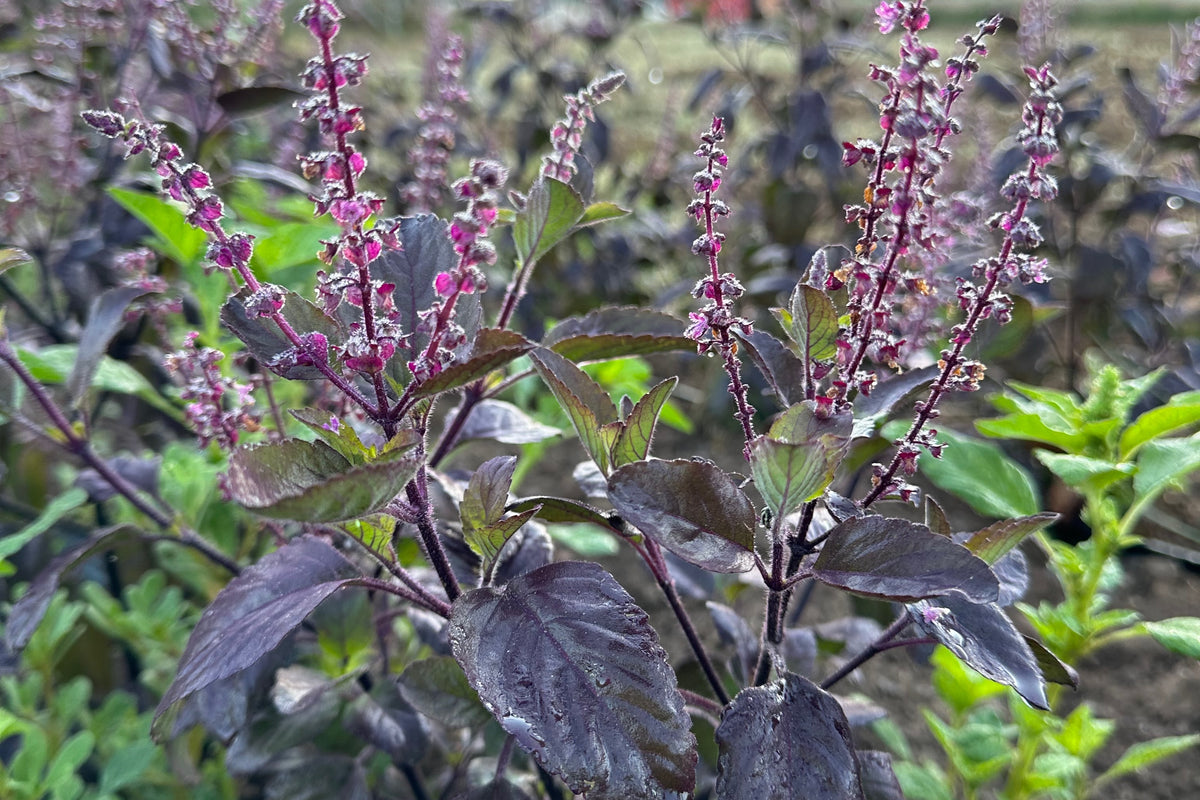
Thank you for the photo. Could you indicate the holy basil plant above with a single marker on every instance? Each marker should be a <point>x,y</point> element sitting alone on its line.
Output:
<point>409,597</point>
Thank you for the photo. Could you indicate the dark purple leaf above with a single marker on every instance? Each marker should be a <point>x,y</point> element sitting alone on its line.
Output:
<point>860,711</point>
<point>1053,670</point>
<point>141,472</point>
<point>786,740</point>
<point>493,349</point>
<point>781,368</point>
<point>878,778</point>
<point>223,707</point>
<point>385,721</point>
<point>735,632</point>
<point>800,650</point>
<point>320,777</point>
<point>105,318</point>
<point>263,338</point>
<point>983,638</point>
<point>899,560</point>
<point>569,665</point>
<point>438,688</point>
<point>530,548</point>
<point>503,422</point>
<point>872,408</point>
<point>498,789</point>
<point>608,333</point>
<point>256,98</point>
<point>692,508</point>
<point>312,482</point>
<point>561,509</point>
<point>27,613</point>
<point>690,580</point>
<point>427,251</point>
<point>272,732</point>
<point>254,612</point>
<point>590,480</point>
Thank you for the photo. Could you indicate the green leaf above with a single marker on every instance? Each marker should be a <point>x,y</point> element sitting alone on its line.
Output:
<point>616,332</point>
<point>55,510</point>
<point>12,257</point>
<point>1178,634</point>
<point>312,482</point>
<point>563,511</point>
<point>586,404</point>
<point>1143,754</point>
<point>485,528</point>
<point>1032,427</point>
<point>601,212</point>
<point>70,758</point>
<point>1163,462</point>
<point>551,211</point>
<point>126,766</point>
<point>334,433</point>
<point>438,688</point>
<point>799,457</point>
<point>493,348</point>
<point>374,531</point>
<point>174,237</point>
<point>979,473</point>
<point>584,540</point>
<point>53,363</point>
<point>1082,472</point>
<point>637,430</point>
<point>998,538</point>
<point>811,321</point>
<point>1181,412</point>
<point>289,244</point>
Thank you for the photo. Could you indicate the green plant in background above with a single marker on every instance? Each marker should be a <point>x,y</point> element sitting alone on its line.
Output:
<point>1120,463</point>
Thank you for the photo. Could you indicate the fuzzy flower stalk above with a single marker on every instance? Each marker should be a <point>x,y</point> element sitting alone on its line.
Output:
<point>713,325</point>
<point>983,296</point>
<point>435,139</point>
<point>373,339</point>
<point>566,137</point>
<point>217,407</point>
<point>468,231</point>
<point>897,217</point>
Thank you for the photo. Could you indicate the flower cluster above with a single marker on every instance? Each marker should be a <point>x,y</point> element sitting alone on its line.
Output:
<point>218,408</point>
<point>481,192</point>
<point>435,140</point>
<point>566,137</point>
<point>713,325</point>
<point>897,218</point>
<point>983,297</point>
<point>373,339</point>
<point>133,267</point>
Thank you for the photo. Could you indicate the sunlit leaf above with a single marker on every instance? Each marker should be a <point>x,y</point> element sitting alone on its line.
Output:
<point>1178,634</point>
<point>633,442</point>
<point>551,211</point>
<point>492,349</point>
<point>608,333</point>
<point>586,404</point>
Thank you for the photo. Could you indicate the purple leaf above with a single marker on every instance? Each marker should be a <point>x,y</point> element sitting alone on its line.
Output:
<point>878,778</point>
<point>251,616</point>
<point>27,613</point>
<point>105,318</point>
<point>608,333</point>
<point>870,409</point>
<point>788,739</point>
<point>983,638</point>
<point>427,251</point>
<point>779,366</point>
<point>692,508</point>
<point>735,632</point>
<point>264,340</point>
<point>564,510</point>
<point>503,422</point>
<point>899,560</point>
<point>493,349</point>
<point>312,482</point>
<point>1053,670</point>
<point>569,665</point>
